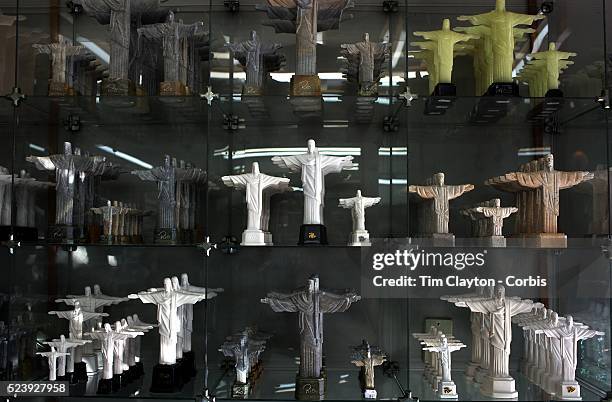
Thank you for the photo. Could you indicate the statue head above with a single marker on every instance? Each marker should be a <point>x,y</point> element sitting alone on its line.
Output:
<point>175,283</point>
<point>446,24</point>
<point>135,317</point>
<point>569,321</point>
<point>184,280</point>
<point>500,292</point>
<point>255,168</point>
<point>313,283</point>
<point>489,291</point>
<point>552,46</point>
<point>77,306</point>
<point>167,161</point>
<point>554,319</point>
<point>500,5</point>
<point>167,285</point>
<point>87,291</point>
<point>107,327</point>
<point>67,148</point>
<point>62,338</point>
<point>358,193</point>
<point>124,323</point>
<point>366,37</point>
<point>311,146</point>
<point>130,320</point>
<point>443,340</point>
<point>253,35</point>
<point>170,16</point>
<point>496,202</point>
<point>549,162</point>
<point>118,327</point>
<point>96,289</point>
<point>439,179</point>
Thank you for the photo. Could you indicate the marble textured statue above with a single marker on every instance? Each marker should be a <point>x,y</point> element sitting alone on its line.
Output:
<point>537,187</point>
<point>305,18</point>
<point>60,53</point>
<point>311,303</point>
<point>67,166</point>
<point>443,44</point>
<point>501,24</point>
<point>487,222</point>
<point>367,357</point>
<point>255,185</point>
<point>52,357</point>
<point>313,167</point>
<point>365,64</point>
<point>358,204</point>
<point>499,311</point>
<point>168,300</point>
<point>174,37</point>
<point>446,386</point>
<point>63,345</point>
<point>108,339</point>
<point>122,16</point>
<point>258,58</point>
<point>434,215</point>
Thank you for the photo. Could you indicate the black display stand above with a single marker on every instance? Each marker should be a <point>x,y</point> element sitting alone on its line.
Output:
<point>80,372</point>
<point>509,89</point>
<point>188,366</point>
<point>139,369</point>
<point>313,235</point>
<point>166,378</point>
<point>63,233</point>
<point>105,386</point>
<point>118,382</point>
<point>309,389</point>
<point>441,99</point>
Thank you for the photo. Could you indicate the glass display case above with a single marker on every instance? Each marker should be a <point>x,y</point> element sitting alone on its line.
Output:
<point>124,120</point>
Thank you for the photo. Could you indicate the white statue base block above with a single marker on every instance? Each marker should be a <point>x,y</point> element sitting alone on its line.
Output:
<point>253,238</point>
<point>370,394</point>
<point>481,373</point>
<point>501,388</point>
<point>568,391</point>
<point>268,239</point>
<point>91,363</point>
<point>438,240</point>
<point>447,390</point>
<point>470,371</point>
<point>360,238</point>
<point>493,241</point>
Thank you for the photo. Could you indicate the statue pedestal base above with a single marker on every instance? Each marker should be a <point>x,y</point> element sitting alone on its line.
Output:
<point>166,378</point>
<point>139,369</point>
<point>249,90</point>
<point>568,391</point>
<point>188,366</point>
<point>305,85</point>
<point>438,239</point>
<point>470,371</point>
<point>359,238</point>
<point>364,108</point>
<point>80,372</point>
<point>165,236</point>
<point>268,239</point>
<point>253,238</point>
<point>368,89</point>
<point>119,381</point>
<point>91,363</point>
<point>370,394</point>
<point>107,239</point>
<point>172,88</point>
<point>481,373</point>
<point>505,89</point>
<point>20,233</point>
<point>546,240</point>
<point>447,390</point>
<point>550,384</point>
<point>105,386</point>
<point>117,92</point>
<point>312,235</point>
<point>309,389</point>
<point>492,241</point>
<point>502,388</point>
<point>441,99</point>
<point>63,234</point>
<point>240,391</point>
<point>60,89</point>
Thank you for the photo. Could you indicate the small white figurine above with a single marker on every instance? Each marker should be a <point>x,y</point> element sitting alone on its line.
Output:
<point>52,360</point>
<point>358,204</point>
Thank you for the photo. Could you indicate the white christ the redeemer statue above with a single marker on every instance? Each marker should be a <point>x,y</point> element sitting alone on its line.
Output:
<point>168,301</point>
<point>254,184</point>
<point>314,167</point>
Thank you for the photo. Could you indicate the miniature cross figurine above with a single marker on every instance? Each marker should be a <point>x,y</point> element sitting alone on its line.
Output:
<point>313,167</point>
<point>52,360</point>
<point>88,302</point>
<point>254,183</point>
<point>497,213</point>
<point>569,335</point>
<point>258,58</point>
<point>188,308</point>
<point>365,63</point>
<point>552,63</point>
<point>499,311</point>
<point>63,345</point>
<point>242,349</point>
<point>358,205</point>
<point>311,303</point>
<point>367,357</point>
<point>446,387</point>
<point>435,216</point>
<point>77,317</point>
<point>502,23</point>
<point>444,49</point>
<point>59,52</point>
<point>168,300</point>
